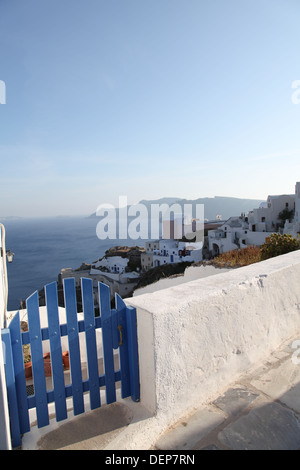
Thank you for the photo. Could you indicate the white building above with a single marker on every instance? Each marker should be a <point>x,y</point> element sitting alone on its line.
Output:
<point>297,203</point>
<point>253,229</point>
<point>110,270</point>
<point>171,251</point>
<point>180,227</point>
<point>294,227</point>
<point>114,264</point>
<point>110,267</point>
<point>174,251</point>
<point>233,234</point>
<point>147,256</point>
<point>171,248</point>
<point>265,218</point>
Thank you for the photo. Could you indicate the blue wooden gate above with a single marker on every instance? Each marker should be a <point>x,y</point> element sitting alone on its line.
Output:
<point>119,331</point>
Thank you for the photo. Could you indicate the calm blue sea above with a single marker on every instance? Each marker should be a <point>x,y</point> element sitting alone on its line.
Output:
<point>44,246</point>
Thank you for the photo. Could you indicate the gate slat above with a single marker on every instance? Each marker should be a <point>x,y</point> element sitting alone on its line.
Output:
<point>56,351</point>
<point>11,389</point>
<point>36,348</point>
<point>114,325</point>
<point>74,349</point>
<point>17,351</point>
<point>91,345</point>
<point>107,342</point>
<point>123,348</point>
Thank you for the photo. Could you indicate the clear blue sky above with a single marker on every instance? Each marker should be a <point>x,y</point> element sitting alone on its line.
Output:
<point>146,98</point>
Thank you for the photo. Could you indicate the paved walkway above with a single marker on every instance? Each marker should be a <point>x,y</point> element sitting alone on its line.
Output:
<point>260,411</point>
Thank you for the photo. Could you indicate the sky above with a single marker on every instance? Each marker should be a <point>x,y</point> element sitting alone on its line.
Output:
<point>146,99</point>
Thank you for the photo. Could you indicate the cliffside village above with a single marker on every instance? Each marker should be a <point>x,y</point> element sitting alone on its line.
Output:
<point>121,267</point>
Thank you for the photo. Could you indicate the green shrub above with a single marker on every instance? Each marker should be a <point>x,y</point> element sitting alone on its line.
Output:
<point>277,244</point>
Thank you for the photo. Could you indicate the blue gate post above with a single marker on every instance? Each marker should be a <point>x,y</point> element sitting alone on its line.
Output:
<point>11,390</point>
<point>130,385</point>
<point>133,355</point>
<point>123,347</point>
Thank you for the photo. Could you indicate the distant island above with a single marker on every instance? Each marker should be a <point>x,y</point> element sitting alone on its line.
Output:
<point>218,205</point>
<point>11,217</point>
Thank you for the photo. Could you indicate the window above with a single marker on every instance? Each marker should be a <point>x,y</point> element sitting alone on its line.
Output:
<point>263,219</point>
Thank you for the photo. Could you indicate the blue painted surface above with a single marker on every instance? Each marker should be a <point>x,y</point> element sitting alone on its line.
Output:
<point>19,370</point>
<point>11,390</point>
<point>133,357</point>
<point>74,348</point>
<point>107,342</point>
<point>38,370</point>
<point>123,348</point>
<point>90,340</point>
<point>118,332</point>
<point>56,351</point>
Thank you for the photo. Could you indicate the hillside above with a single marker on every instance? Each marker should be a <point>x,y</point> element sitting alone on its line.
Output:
<point>224,206</point>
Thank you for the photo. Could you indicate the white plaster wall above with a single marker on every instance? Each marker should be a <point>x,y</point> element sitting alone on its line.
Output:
<point>5,443</point>
<point>190,274</point>
<point>224,244</point>
<point>2,285</point>
<point>197,338</point>
<point>256,238</point>
<point>112,261</point>
<point>297,202</point>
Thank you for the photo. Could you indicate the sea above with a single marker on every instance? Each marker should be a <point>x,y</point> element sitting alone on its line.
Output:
<point>44,246</point>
